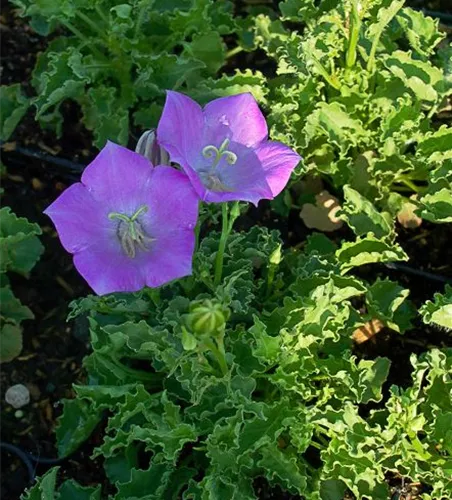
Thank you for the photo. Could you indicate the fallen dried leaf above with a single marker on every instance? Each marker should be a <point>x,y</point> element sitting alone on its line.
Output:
<point>406,216</point>
<point>322,215</point>
<point>367,331</point>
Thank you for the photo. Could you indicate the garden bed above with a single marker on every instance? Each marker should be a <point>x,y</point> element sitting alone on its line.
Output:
<point>51,360</point>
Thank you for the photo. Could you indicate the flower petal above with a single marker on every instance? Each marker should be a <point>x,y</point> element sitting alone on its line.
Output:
<point>108,270</point>
<point>171,257</point>
<point>180,128</point>
<point>115,177</point>
<point>240,116</point>
<point>79,219</point>
<point>172,202</point>
<point>278,162</point>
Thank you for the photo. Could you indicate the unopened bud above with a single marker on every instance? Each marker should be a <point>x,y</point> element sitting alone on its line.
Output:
<point>149,147</point>
<point>207,318</point>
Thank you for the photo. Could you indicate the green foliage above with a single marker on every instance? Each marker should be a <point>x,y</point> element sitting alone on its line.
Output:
<point>439,312</point>
<point>20,249</point>
<point>220,385</point>
<point>46,489</point>
<point>117,60</point>
<point>13,106</point>
<point>357,93</point>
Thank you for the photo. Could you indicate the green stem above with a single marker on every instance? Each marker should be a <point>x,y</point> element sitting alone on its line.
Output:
<point>140,19</point>
<point>409,184</point>
<point>84,39</point>
<point>355,26</point>
<point>218,354</point>
<point>197,231</point>
<point>221,248</point>
<point>234,51</point>
<point>102,15</point>
<point>226,228</point>
<point>319,67</point>
<point>391,13</point>
<point>317,445</point>
<point>92,24</point>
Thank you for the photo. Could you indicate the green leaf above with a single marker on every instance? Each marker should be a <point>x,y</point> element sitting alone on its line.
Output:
<point>422,78</point>
<point>75,425</point>
<point>435,146</point>
<point>437,207</point>
<point>12,309</point>
<point>387,301</point>
<point>55,78</point>
<point>242,81</point>
<point>13,106</point>
<point>439,311</point>
<point>11,342</point>
<point>332,121</point>
<point>71,490</point>
<point>44,489</point>
<point>208,48</point>
<point>421,31</point>
<point>332,489</point>
<point>163,71</point>
<point>368,250</point>
<point>362,216</point>
<point>145,484</point>
<point>19,247</point>
<point>106,115</point>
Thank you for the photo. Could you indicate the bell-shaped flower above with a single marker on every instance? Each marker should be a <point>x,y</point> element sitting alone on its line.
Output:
<point>128,224</point>
<point>223,148</point>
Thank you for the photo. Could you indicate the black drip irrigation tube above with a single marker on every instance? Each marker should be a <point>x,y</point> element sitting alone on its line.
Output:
<point>20,156</point>
<point>445,18</point>
<point>29,460</point>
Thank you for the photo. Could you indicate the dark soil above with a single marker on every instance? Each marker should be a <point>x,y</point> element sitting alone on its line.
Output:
<point>51,360</point>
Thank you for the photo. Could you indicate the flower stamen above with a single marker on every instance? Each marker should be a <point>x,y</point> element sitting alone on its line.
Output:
<point>211,152</point>
<point>131,233</point>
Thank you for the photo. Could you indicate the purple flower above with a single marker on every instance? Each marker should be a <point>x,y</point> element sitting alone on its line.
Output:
<point>127,223</point>
<point>223,148</point>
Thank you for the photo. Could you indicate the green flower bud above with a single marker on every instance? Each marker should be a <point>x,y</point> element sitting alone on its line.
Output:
<point>207,318</point>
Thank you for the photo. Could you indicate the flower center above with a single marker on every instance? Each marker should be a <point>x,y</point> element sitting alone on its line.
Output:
<point>130,232</point>
<point>215,154</point>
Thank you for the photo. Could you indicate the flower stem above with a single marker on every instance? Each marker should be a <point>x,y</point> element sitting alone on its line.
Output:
<point>234,51</point>
<point>87,20</point>
<point>218,353</point>
<point>355,26</point>
<point>226,228</point>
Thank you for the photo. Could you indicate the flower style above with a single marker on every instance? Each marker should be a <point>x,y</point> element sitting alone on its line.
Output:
<point>128,224</point>
<point>223,148</point>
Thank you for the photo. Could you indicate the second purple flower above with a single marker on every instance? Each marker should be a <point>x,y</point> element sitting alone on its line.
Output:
<point>223,148</point>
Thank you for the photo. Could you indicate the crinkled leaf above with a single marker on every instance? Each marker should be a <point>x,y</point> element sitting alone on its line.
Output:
<point>362,216</point>
<point>439,311</point>
<point>437,207</point>
<point>44,489</point>
<point>11,342</point>
<point>387,301</point>
<point>13,106</point>
<point>19,246</point>
<point>367,250</point>
<point>75,425</point>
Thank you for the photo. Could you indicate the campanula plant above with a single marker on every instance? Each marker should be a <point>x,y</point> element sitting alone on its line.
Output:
<point>359,92</point>
<point>243,370</point>
<point>115,60</point>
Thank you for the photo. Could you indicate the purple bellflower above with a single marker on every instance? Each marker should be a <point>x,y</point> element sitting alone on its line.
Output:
<point>223,148</point>
<point>128,224</point>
